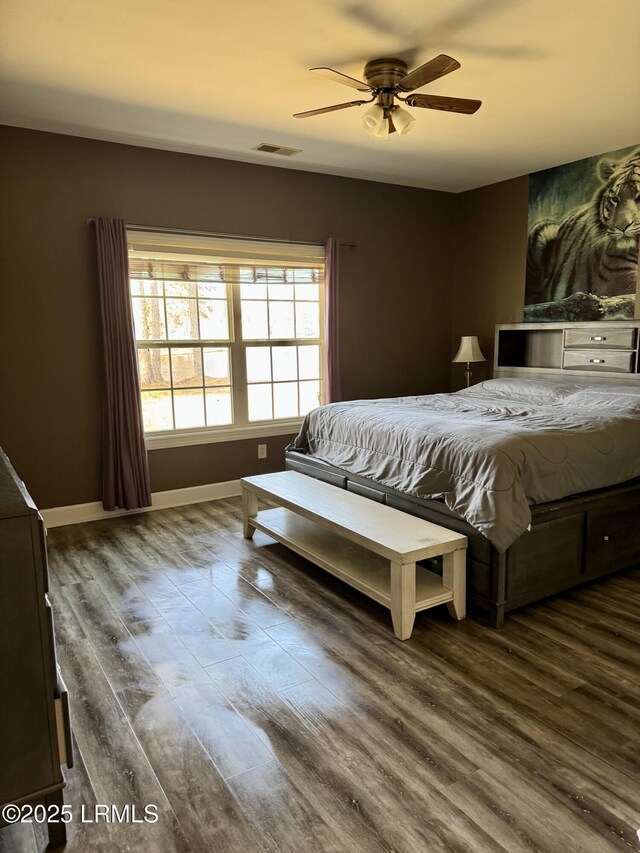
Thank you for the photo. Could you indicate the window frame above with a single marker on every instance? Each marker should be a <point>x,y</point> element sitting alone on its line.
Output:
<point>242,428</point>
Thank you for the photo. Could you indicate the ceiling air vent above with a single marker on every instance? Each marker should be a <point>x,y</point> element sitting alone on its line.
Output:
<point>277,149</point>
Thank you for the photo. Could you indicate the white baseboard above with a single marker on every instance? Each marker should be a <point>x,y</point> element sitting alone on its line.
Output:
<point>60,516</point>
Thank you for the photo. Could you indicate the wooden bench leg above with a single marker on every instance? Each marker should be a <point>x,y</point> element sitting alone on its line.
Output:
<point>403,598</point>
<point>454,577</point>
<point>249,511</point>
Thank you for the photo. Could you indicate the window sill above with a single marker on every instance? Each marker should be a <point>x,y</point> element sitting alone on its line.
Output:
<point>177,438</point>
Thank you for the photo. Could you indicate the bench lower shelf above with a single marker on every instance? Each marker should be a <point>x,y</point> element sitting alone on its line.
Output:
<point>360,568</point>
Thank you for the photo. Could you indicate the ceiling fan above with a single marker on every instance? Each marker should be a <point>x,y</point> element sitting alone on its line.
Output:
<point>386,79</point>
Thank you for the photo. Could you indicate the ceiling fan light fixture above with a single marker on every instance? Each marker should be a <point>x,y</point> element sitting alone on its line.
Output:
<point>384,79</point>
<point>383,132</point>
<point>374,121</point>
<point>403,120</point>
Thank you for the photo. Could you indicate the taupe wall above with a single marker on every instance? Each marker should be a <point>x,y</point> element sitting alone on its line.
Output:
<point>395,299</point>
<point>489,266</point>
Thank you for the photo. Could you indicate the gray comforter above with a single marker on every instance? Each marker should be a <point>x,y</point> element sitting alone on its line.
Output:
<point>489,452</point>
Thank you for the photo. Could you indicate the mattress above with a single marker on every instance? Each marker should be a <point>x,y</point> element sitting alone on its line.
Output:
<point>488,452</point>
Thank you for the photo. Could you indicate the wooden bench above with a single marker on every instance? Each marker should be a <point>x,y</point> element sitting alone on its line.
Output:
<point>370,546</point>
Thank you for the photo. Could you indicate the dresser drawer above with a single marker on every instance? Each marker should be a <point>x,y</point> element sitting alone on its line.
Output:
<point>63,722</point>
<point>595,338</point>
<point>598,360</point>
<point>41,536</point>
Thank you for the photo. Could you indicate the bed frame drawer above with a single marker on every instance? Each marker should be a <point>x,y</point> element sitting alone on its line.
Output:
<point>322,471</point>
<point>598,360</point>
<point>556,551</point>
<point>595,338</point>
<point>366,491</point>
<point>612,537</point>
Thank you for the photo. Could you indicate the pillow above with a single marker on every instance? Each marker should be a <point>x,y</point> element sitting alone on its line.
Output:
<point>626,390</point>
<point>538,391</point>
<point>614,397</point>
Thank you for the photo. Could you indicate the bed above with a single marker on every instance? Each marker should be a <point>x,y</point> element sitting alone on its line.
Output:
<point>542,474</point>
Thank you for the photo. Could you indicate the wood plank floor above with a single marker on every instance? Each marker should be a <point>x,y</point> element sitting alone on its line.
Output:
<point>262,705</point>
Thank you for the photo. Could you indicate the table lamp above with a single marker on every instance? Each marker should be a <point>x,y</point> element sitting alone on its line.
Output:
<point>469,351</point>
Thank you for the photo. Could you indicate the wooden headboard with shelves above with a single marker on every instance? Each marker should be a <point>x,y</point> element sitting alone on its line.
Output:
<point>604,353</point>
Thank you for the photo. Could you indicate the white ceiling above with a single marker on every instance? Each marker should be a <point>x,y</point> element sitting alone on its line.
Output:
<point>559,80</point>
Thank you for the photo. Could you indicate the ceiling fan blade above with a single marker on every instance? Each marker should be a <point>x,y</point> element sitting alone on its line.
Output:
<point>432,70</point>
<point>339,77</point>
<point>392,127</point>
<point>468,106</point>
<point>328,109</point>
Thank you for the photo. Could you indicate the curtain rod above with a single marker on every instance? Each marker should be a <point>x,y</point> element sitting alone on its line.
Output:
<point>189,233</point>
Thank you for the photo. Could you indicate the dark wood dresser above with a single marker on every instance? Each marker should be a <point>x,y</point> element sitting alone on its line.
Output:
<point>35,731</point>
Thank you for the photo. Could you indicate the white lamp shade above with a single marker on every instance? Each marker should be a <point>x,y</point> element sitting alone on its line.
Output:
<point>373,120</point>
<point>469,350</point>
<point>403,121</point>
<point>382,132</point>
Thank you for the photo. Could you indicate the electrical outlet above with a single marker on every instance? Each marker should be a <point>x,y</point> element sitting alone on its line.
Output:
<point>262,451</point>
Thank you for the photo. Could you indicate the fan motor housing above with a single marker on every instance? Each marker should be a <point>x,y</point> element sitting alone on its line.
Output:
<point>385,73</point>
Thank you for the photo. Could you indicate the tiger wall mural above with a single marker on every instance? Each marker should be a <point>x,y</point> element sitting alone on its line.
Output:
<point>584,234</point>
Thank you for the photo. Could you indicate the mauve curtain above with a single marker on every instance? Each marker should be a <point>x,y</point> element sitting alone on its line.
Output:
<point>125,467</point>
<point>331,387</point>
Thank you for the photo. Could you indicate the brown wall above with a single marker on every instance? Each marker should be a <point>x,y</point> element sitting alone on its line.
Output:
<point>395,290</point>
<point>489,268</point>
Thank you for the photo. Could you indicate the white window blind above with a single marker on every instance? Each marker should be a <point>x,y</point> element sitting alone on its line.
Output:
<point>224,249</point>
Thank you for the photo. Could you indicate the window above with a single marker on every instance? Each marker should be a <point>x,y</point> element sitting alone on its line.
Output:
<point>228,334</point>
